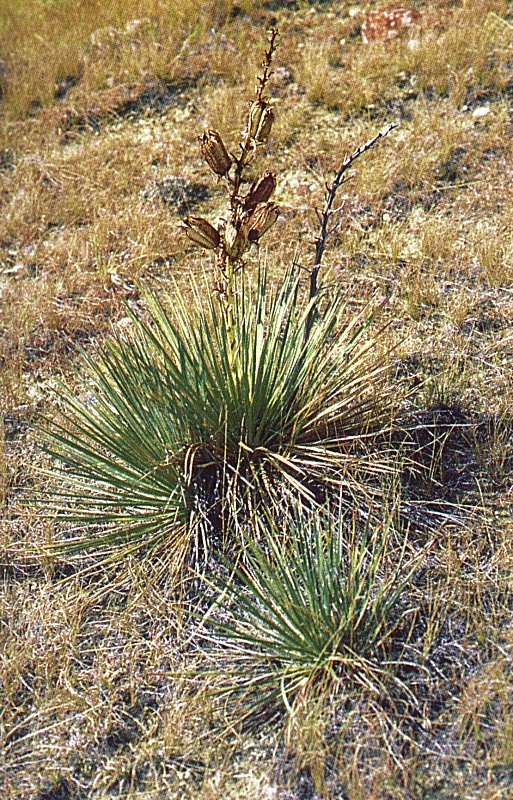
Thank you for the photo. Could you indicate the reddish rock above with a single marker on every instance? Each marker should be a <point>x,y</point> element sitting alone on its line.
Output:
<point>379,26</point>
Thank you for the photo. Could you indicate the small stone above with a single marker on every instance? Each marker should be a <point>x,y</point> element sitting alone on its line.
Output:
<point>14,270</point>
<point>482,111</point>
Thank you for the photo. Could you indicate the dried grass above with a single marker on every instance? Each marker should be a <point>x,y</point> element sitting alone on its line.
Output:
<point>94,699</point>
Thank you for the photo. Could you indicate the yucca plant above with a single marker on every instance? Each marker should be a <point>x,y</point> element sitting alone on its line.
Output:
<point>206,410</point>
<point>177,428</point>
<point>315,604</point>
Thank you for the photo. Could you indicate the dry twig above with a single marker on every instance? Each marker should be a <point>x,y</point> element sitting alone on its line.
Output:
<point>328,212</point>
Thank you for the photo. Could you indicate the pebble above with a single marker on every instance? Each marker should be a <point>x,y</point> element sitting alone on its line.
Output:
<point>482,111</point>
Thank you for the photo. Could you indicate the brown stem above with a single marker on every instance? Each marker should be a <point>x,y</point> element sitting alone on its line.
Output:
<point>320,242</point>
<point>226,266</point>
<point>266,63</point>
<point>246,145</point>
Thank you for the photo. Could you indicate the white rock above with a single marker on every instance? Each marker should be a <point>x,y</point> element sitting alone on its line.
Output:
<point>14,270</point>
<point>482,111</point>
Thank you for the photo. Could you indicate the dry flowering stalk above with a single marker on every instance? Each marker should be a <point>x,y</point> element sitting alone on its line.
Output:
<point>251,213</point>
<point>328,212</point>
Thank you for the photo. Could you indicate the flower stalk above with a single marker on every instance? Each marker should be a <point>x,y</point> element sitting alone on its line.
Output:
<point>250,213</point>
<point>325,217</point>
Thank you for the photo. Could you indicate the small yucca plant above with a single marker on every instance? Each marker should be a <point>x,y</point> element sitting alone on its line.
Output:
<point>176,427</point>
<point>315,603</point>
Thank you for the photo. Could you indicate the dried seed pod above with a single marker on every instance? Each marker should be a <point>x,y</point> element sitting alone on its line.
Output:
<point>236,239</point>
<point>254,117</point>
<point>264,128</point>
<point>200,231</point>
<point>260,191</point>
<point>214,152</point>
<point>263,217</point>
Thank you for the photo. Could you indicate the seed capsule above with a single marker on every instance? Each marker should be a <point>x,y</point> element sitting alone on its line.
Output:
<point>236,238</point>
<point>254,117</point>
<point>260,191</point>
<point>201,232</point>
<point>214,152</point>
<point>263,217</point>
<point>266,123</point>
